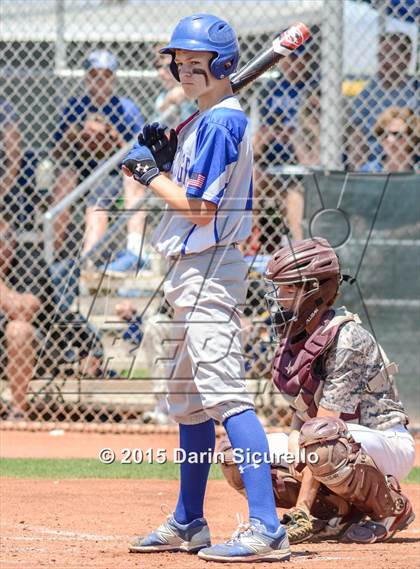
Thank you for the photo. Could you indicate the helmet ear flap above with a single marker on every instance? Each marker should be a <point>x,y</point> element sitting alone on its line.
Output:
<point>212,65</point>
<point>174,69</point>
<point>221,67</point>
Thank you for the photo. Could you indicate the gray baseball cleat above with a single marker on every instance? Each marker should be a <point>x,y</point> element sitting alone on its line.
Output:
<point>172,536</point>
<point>250,543</point>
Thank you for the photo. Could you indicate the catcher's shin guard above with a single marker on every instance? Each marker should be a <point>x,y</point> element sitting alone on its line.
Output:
<point>285,486</point>
<point>345,469</point>
<point>229,468</point>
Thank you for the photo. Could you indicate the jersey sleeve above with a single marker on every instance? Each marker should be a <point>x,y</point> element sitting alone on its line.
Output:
<point>341,392</point>
<point>347,366</point>
<point>216,154</point>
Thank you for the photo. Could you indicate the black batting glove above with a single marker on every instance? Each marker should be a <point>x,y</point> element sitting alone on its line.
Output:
<point>140,164</point>
<point>162,146</point>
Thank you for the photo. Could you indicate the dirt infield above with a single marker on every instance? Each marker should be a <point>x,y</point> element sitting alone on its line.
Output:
<point>89,523</point>
<point>61,444</point>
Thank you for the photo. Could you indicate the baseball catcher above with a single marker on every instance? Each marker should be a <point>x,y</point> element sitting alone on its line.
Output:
<point>347,416</point>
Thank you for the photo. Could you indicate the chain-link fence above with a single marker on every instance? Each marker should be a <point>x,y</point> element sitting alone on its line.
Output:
<point>83,322</point>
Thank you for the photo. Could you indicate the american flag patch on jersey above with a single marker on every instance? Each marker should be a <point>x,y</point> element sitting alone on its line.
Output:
<point>196,180</point>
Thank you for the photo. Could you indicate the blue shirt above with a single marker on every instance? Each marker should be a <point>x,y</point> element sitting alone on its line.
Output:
<point>374,100</point>
<point>279,107</point>
<point>213,162</point>
<point>372,166</point>
<point>120,112</point>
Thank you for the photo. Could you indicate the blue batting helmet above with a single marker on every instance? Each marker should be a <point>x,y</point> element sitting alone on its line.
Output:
<point>204,32</point>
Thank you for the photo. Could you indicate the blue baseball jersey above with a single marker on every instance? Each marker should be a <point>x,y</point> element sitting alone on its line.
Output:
<point>213,162</point>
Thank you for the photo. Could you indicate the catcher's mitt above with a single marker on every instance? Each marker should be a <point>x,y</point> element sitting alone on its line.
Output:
<point>298,524</point>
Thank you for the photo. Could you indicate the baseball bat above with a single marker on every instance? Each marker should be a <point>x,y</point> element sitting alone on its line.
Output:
<point>283,45</point>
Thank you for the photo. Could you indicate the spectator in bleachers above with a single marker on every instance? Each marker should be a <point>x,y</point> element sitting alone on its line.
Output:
<point>17,335</point>
<point>128,314</point>
<point>391,86</point>
<point>31,341</point>
<point>92,128</point>
<point>171,105</point>
<point>307,140</point>
<point>278,105</point>
<point>154,338</point>
<point>10,149</point>
<point>397,130</point>
<point>307,143</point>
<point>274,147</point>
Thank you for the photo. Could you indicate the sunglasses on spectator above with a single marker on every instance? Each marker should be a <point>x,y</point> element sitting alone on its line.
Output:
<point>397,133</point>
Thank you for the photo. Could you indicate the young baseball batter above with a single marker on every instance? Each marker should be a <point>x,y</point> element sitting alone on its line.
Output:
<point>345,404</point>
<point>208,212</point>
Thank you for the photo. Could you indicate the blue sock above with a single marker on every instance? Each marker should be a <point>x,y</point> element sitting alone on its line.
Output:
<point>194,438</point>
<point>246,432</point>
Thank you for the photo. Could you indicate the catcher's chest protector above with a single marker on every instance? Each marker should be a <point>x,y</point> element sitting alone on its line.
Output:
<point>294,365</point>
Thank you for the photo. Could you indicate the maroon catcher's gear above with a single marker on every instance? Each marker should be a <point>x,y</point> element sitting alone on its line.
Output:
<point>294,369</point>
<point>298,366</point>
<point>285,486</point>
<point>311,263</point>
<point>326,521</point>
<point>349,472</point>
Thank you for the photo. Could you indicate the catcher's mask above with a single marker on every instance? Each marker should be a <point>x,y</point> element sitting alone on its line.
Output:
<point>302,281</point>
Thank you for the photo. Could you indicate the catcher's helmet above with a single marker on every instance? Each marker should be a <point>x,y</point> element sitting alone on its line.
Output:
<point>204,32</point>
<point>313,266</point>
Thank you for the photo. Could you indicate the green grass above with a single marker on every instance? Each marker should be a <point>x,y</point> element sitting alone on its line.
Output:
<point>137,373</point>
<point>414,476</point>
<point>90,468</point>
<point>60,469</point>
